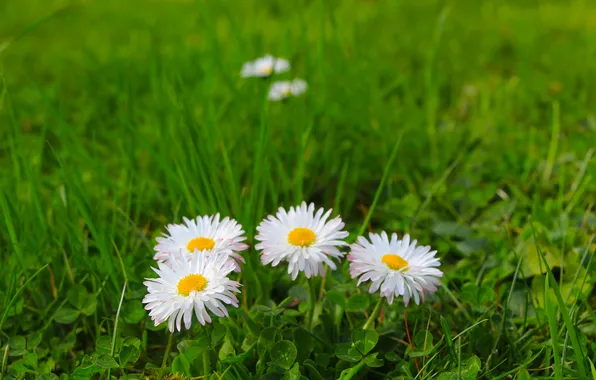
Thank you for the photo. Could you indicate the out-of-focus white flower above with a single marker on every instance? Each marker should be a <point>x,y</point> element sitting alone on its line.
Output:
<point>264,67</point>
<point>396,267</point>
<point>284,89</point>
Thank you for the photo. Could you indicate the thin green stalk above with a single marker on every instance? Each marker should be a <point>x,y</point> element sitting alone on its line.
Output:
<point>165,355</point>
<point>4,360</point>
<point>115,334</point>
<point>312,300</point>
<point>374,314</point>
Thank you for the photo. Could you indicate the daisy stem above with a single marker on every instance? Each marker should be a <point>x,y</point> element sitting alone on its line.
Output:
<point>410,339</point>
<point>166,354</point>
<point>374,314</point>
<point>312,301</point>
<point>322,288</point>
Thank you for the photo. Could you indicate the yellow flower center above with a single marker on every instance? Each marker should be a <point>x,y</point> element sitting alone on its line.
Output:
<point>394,262</point>
<point>200,243</point>
<point>191,282</point>
<point>267,70</point>
<point>302,237</point>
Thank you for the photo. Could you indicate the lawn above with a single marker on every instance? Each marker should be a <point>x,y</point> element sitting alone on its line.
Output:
<point>470,125</point>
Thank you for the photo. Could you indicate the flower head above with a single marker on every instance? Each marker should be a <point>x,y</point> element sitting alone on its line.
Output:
<point>190,284</point>
<point>264,67</point>
<point>281,90</point>
<point>203,234</point>
<point>302,238</point>
<point>397,267</point>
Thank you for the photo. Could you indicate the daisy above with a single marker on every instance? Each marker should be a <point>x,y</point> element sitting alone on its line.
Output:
<point>301,238</point>
<point>397,267</point>
<point>188,284</point>
<point>284,89</point>
<point>264,67</point>
<point>203,234</point>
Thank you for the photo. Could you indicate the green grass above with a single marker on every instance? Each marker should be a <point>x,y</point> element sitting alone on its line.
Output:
<point>469,125</point>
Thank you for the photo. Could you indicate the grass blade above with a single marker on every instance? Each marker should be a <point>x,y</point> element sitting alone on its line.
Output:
<point>579,354</point>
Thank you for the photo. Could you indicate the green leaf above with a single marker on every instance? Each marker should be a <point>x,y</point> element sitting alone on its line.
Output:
<point>218,333</point>
<point>532,251</point>
<point>312,372</point>
<point>66,315</point>
<point>132,311</point>
<point>103,344</point>
<point>131,341</point>
<point>274,312</point>
<point>90,305</point>
<point>267,339</point>
<point>226,350</point>
<point>471,368</point>
<point>424,341</point>
<point>252,325</point>
<point>293,373</point>
<point>338,298</point>
<point>77,296</point>
<point>525,375</point>
<point>391,356</point>
<point>33,340</point>
<point>373,361</point>
<point>351,372</point>
<point>283,353</point>
<point>106,361</point>
<point>28,364</point>
<point>17,346</point>
<point>304,342</point>
<point>271,376</point>
<point>47,376</point>
<point>17,342</point>
<point>192,349</point>
<point>347,352</point>
<point>262,308</point>
<point>322,359</point>
<point>293,313</point>
<point>358,302</point>
<point>592,369</point>
<point>129,354</point>
<point>86,370</point>
<point>365,340</point>
<point>285,302</point>
<point>181,365</point>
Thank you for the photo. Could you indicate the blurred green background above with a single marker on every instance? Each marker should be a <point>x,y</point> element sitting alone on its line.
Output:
<point>117,117</point>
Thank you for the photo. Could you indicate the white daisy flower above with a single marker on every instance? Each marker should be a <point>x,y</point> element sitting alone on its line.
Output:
<point>281,90</point>
<point>397,267</point>
<point>264,67</point>
<point>303,239</point>
<point>203,234</point>
<point>188,284</point>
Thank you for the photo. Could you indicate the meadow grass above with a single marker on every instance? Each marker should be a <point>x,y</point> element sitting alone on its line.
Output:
<point>469,125</point>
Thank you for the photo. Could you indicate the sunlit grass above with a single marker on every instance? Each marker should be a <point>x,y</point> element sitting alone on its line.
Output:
<point>470,126</point>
